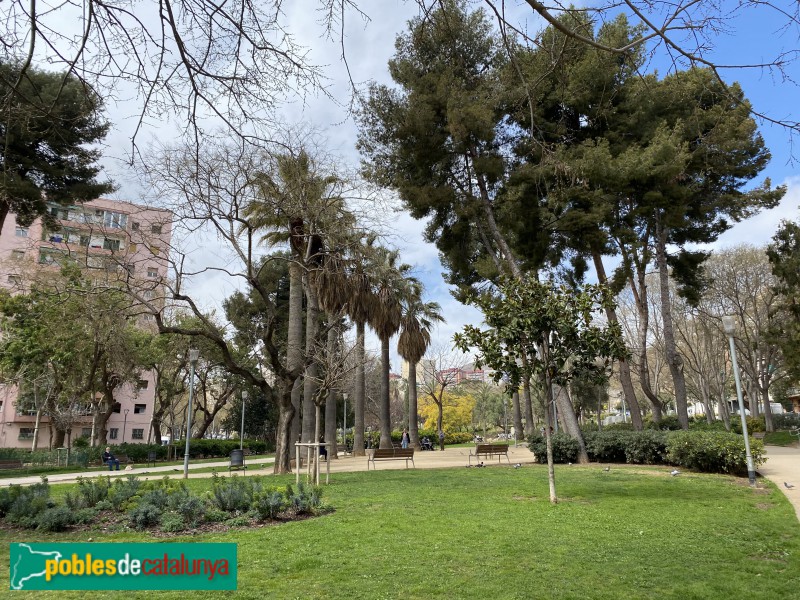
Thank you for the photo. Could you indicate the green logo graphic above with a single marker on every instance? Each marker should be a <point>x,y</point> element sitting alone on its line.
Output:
<point>84,566</point>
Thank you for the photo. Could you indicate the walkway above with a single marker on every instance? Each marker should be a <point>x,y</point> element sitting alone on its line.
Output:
<point>782,467</point>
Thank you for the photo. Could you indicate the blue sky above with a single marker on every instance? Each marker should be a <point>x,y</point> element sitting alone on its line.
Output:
<point>751,37</point>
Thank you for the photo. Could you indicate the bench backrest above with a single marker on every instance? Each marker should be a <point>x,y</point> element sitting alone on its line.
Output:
<point>491,449</point>
<point>393,453</point>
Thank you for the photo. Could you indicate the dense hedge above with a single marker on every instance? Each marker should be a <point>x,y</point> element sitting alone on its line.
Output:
<point>708,451</point>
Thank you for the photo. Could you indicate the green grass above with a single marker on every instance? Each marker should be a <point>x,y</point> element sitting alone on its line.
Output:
<point>780,438</point>
<point>491,533</point>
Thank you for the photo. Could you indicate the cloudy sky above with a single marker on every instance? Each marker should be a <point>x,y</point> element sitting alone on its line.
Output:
<point>368,46</point>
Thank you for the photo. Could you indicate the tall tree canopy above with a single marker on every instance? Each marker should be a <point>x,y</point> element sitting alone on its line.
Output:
<point>49,127</point>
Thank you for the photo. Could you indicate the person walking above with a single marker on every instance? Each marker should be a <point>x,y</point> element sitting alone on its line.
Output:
<point>441,440</point>
<point>405,439</point>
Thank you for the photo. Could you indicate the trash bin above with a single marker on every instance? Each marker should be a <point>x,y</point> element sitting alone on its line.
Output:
<point>237,460</point>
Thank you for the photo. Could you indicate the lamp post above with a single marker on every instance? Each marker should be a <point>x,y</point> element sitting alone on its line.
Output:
<point>241,434</point>
<point>729,326</point>
<point>124,424</point>
<point>194,354</point>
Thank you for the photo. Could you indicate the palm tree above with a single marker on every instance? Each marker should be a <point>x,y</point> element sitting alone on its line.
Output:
<point>295,204</point>
<point>391,286</point>
<point>415,337</point>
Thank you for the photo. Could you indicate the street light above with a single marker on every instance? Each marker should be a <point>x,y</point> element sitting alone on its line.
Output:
<point>729,326</point>
<point>241,435</point>
<point>344,424</point>
<point>125,424</point>
<point>194,354</point>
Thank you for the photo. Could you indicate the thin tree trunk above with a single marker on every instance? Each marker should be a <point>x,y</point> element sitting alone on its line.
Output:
<point>570,421</point>
<point>674,360</point>
<point>35,443</point>
<point>640,294</point>
<point>413,429</point>
<point>624,367</point>
<point>518,428</point>
<point>310,383</point>
<point>360,393</point>
<point>284,446</point>
<point>769,425</point>
<point>526,396</point>
<point>294,342</point>
<point>551,473</point>
<point>384,413</point>
<point>330,403</point>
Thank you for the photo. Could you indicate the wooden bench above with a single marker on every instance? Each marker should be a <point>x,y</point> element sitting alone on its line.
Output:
<point>488,450</point>
<point>406,454</point>
<point>10,463</point>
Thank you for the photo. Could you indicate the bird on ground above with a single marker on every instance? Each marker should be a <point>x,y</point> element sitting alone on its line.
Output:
<point>607,469</point>
<point>517,466</point>
<point>788,485</point>
<point>479,465</point>
<point>675,472</point>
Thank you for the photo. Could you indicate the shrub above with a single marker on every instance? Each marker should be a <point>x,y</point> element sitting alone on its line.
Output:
<point>30,502</point>
<point>712,452</point>
<point>88,493</point>
<point>8,496</point>
<point>191,509</point>
<point>232,494</point>
<point>565,448</point>
<point>667,423</point>
<point>172,523</point>
<point>123,490</point>
<point>305,500</point>
<point>158,497</point>
<point>646,447</point>
<point>618,427</point>
<point>607,446</point>
<point>268,504</point>
<point>85,516</point>
<point>754,424</point>
<point>786,420</point>
<point>144,515</point>
<point>57,518</point>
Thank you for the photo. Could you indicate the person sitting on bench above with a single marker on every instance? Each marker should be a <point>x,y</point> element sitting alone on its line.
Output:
<point>110,459</point>
<point>426,444</point>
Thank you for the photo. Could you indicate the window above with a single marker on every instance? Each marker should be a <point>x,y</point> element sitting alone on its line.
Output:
<point>86,432</point>
<point>151,272</point>
<point>21,231</point>
<point>135,226</point>
<point>143,383</point>
<point>139,409</point>
<point>116,408</point>
<point>149,294</point>
<point>59,213</point>
<point>110,244</point>
<point>26,433</point>
<point>14,279</point>
<point>137,434</point>
<point>155,228</point>
<point>113,432</point>
<point>114,220</point>
<point>17,254</point>
<point>85,240</point>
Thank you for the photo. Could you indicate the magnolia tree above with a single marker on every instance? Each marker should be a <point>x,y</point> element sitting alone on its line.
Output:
<point>557,329</point>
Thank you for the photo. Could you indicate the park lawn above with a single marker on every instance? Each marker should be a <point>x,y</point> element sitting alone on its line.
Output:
<point>491,533</point>
<point>780,438</point>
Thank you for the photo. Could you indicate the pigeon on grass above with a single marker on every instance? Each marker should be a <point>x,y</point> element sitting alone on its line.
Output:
<point>675,472</point>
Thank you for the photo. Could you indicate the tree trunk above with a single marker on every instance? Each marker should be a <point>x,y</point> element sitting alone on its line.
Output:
<point>294,342</point>
<point>624,367</point>
<point>526,396</point>
<point>413,430</point>
<point>330,404</point>
<point>37,424</point>
<point>518,428</point>
<point>551,473</point>
<point>157,424</point>
<point>640,295</point>
<point>674,360</point>
<point>570,421</point>
<point>58,437</point>
<point>384,412</point>
<point>769,425</point>
<point>360,393</point>
<point>284,446</point>
<point>310,383</point>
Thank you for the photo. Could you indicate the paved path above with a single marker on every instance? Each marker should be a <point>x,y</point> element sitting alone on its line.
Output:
<point>782,467</point>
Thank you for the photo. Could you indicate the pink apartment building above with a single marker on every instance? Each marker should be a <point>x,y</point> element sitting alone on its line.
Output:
<point>115,239</point>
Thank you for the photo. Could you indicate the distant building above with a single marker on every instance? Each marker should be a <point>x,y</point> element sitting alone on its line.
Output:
<point>115,240</point>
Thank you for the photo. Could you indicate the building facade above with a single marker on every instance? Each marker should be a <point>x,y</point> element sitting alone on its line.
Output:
<point>113,241</point>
